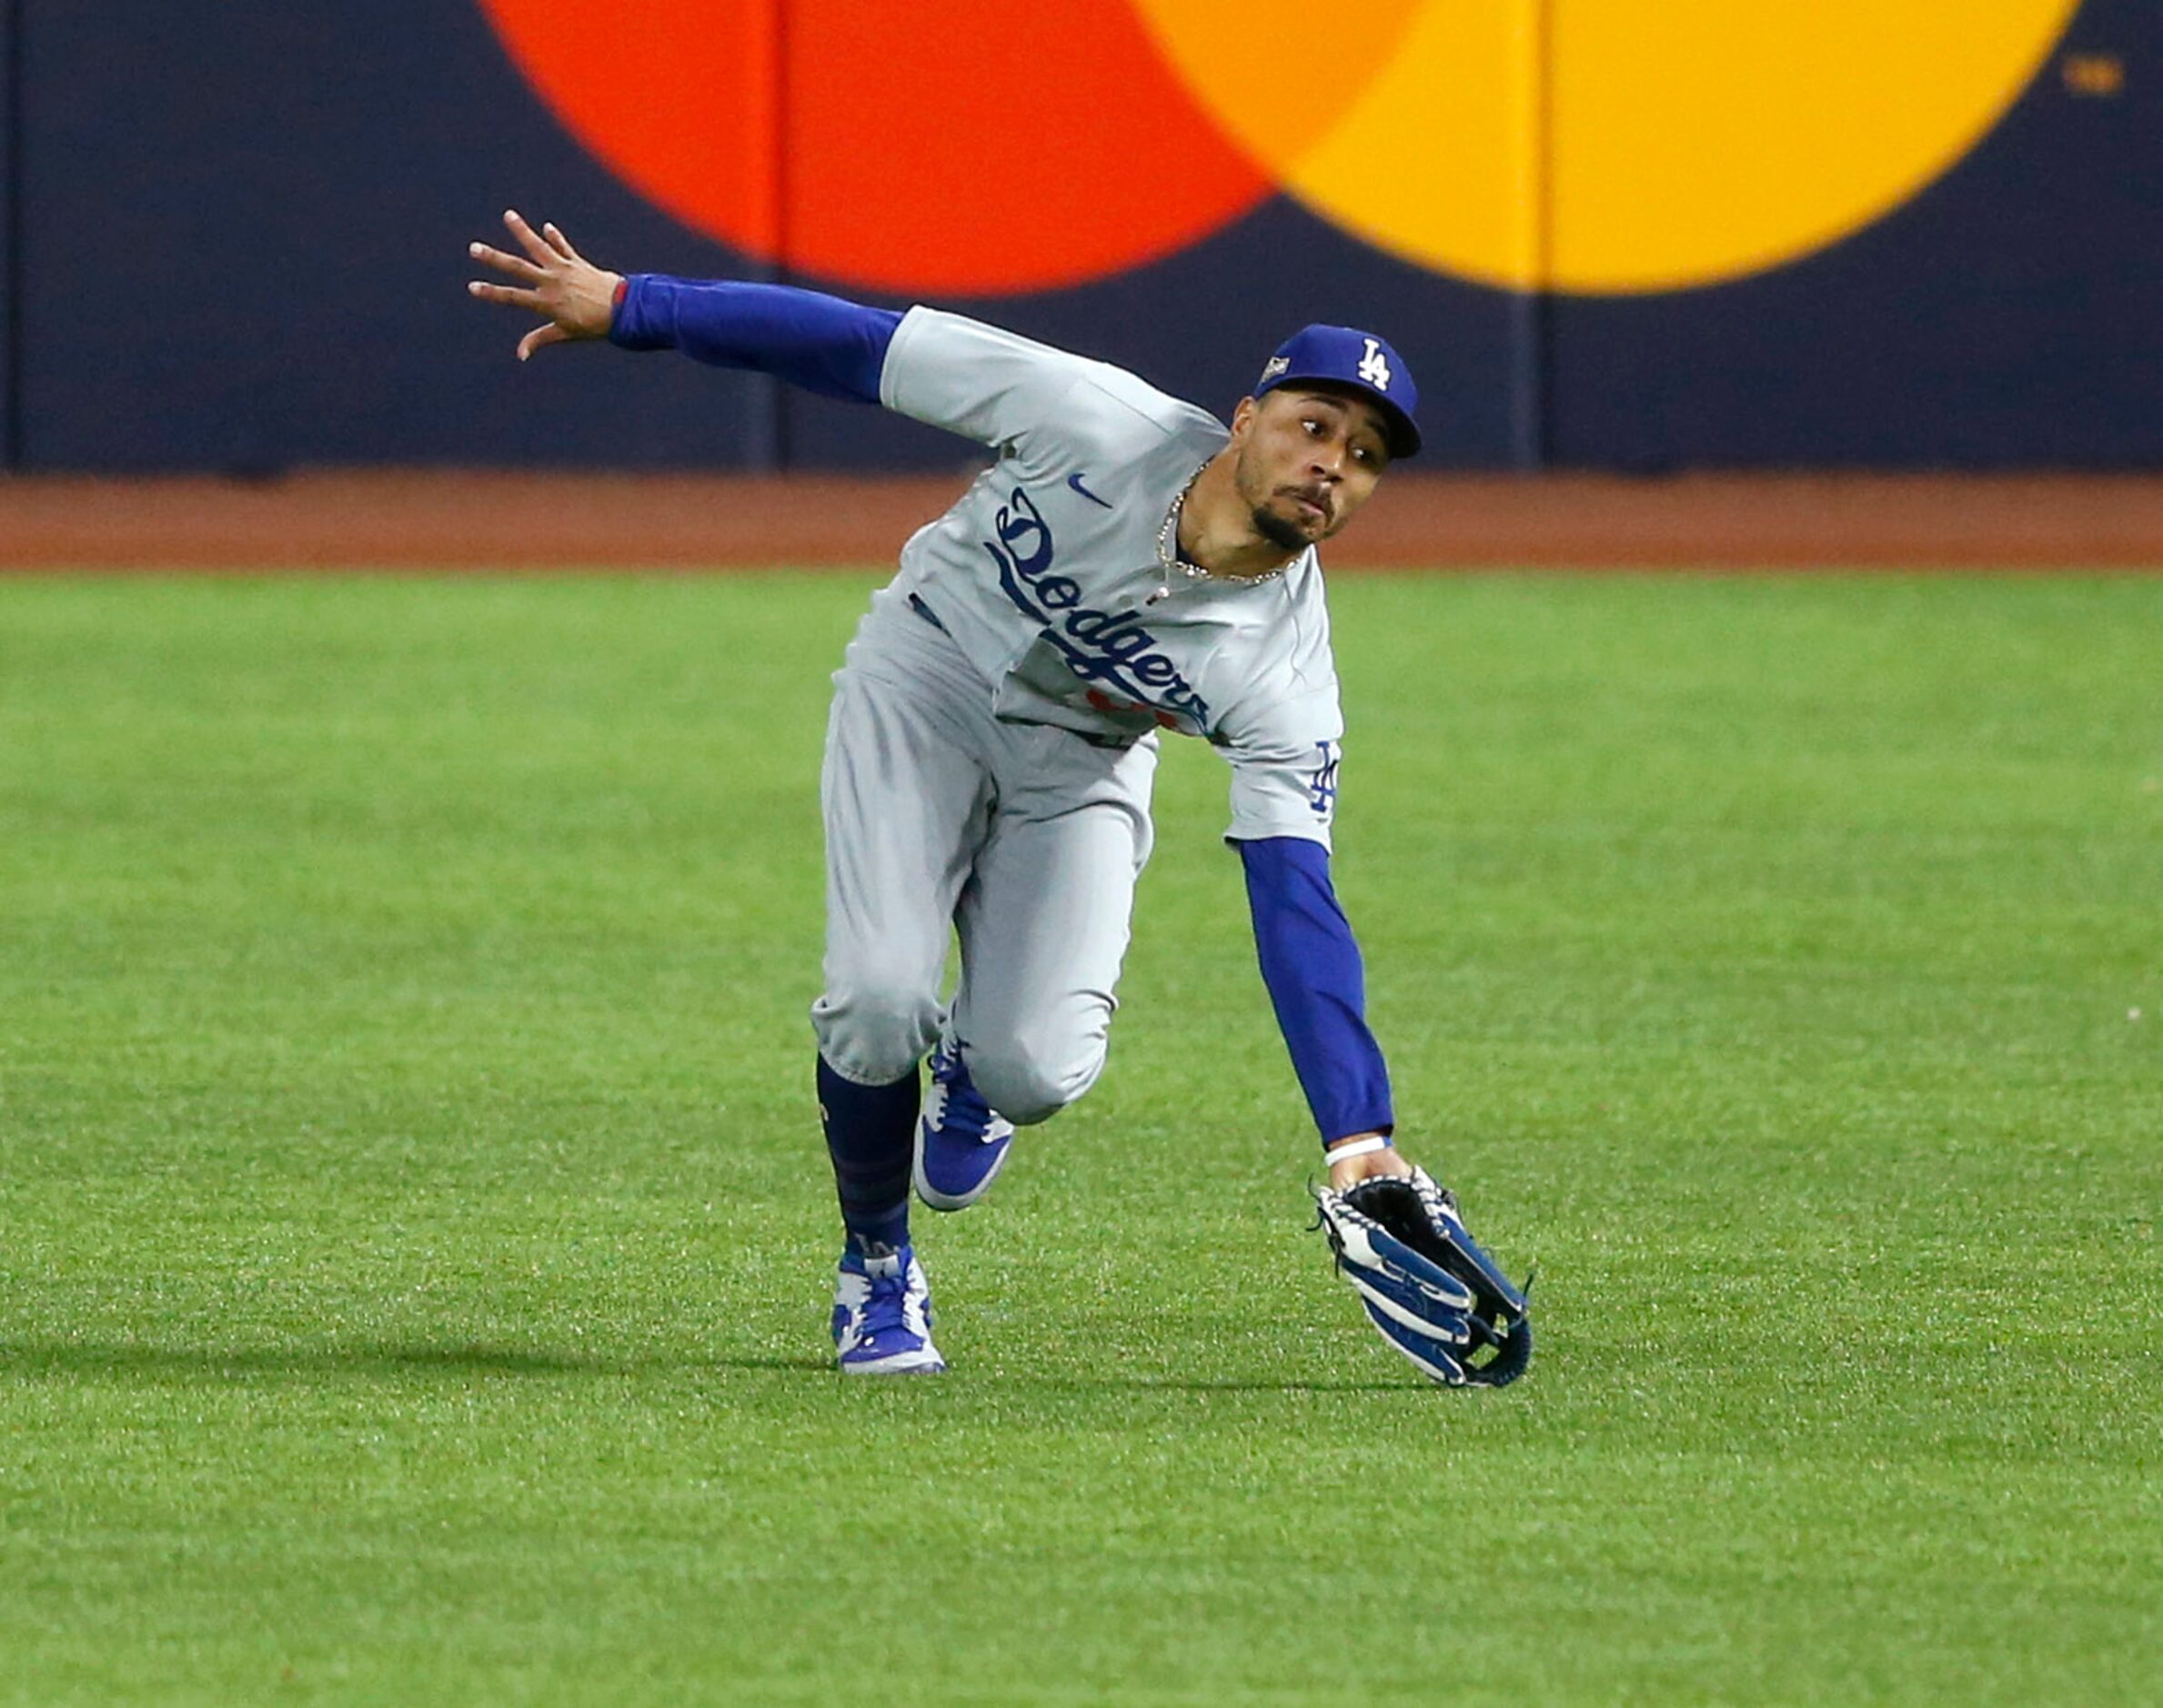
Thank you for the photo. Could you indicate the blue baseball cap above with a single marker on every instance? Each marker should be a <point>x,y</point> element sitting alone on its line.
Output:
<point>1359,361</point>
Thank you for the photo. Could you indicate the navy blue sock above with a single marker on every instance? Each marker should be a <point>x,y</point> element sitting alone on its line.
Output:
<point>870,1134</point>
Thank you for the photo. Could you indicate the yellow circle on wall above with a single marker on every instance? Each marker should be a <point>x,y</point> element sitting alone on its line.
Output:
<point>1678,142</point>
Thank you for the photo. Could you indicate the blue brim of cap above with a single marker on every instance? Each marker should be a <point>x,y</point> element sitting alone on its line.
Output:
<point>1404,432</point>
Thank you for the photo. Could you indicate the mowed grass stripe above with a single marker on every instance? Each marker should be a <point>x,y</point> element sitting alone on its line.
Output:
<point>416,1240</point>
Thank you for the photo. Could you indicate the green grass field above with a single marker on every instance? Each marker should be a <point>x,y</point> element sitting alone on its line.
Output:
<point>415,1240</point>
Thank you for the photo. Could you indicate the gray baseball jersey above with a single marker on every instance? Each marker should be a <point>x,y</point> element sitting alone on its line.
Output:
<point>1047,574</point>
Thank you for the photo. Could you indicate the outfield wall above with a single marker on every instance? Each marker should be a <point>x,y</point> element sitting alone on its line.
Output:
<point>1829,233</point>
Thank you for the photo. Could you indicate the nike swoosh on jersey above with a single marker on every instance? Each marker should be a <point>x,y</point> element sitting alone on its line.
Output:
<point>1075,481</point>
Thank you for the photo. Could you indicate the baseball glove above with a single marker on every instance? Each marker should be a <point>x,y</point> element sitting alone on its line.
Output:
<point>1426,1284</point>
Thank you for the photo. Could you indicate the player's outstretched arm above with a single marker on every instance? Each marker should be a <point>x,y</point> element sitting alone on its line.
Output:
<point>972,379</point>
<point>576,298</point>
<point>824,343</point>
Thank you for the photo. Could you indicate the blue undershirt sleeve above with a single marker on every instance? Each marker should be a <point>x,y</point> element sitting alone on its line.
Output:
<point>820,343</point>
<point>1310,964</point>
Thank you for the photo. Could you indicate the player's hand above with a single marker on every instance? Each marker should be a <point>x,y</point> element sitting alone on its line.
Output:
<point>1352,1169</point>
<point>577,298</point>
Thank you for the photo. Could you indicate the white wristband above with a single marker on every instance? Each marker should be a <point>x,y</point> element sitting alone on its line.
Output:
<point>1372,1143</point>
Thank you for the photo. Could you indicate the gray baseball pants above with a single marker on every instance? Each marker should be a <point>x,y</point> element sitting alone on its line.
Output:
<point>1024,838</point>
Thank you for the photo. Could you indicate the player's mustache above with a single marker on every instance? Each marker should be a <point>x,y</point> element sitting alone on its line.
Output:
<point>1317,494</point>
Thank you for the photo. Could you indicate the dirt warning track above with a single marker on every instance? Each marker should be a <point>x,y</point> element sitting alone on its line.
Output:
<point>497,520</point>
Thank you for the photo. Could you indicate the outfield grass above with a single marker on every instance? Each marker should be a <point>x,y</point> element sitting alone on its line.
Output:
<point>415,1242</point>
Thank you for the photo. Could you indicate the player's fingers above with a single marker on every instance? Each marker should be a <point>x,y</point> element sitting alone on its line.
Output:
<point>516,265</point>
<point>528,240</point>
<point>509,295</point>
<point>560,243</point>
<point>538,337</point>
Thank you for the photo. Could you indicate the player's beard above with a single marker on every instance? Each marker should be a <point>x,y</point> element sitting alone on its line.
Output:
<point>1279,531</point>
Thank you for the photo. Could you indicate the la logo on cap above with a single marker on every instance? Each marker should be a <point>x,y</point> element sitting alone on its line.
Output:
<point>1374,368</point>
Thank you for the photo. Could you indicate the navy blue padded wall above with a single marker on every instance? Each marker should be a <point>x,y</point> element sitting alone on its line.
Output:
<point>9,330</point>
<point>242,246</point>
<point>244,233</point>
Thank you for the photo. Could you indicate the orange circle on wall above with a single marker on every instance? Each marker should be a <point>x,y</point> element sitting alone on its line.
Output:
<point>958,145</point>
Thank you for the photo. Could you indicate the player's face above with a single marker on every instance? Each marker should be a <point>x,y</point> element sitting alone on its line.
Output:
<point>1307,461</point>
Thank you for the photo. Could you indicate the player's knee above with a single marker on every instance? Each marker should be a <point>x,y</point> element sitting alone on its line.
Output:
<point>1031,1079</point>
<point>874,1031</point>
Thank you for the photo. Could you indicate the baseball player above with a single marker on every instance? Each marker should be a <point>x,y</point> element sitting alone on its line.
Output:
<point>1128,565</point>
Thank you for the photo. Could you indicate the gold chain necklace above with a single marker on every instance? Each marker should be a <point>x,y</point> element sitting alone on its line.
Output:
<point>1168,556</point>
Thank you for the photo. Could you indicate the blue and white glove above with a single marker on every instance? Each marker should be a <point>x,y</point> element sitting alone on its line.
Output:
<point>1426,1286</point>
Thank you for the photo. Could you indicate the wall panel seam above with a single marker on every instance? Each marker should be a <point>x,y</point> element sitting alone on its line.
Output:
<point>11,231</point>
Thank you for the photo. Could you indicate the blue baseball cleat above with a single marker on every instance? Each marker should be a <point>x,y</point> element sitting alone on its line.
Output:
<point>962,1141</point>
<point>882,1315</point>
